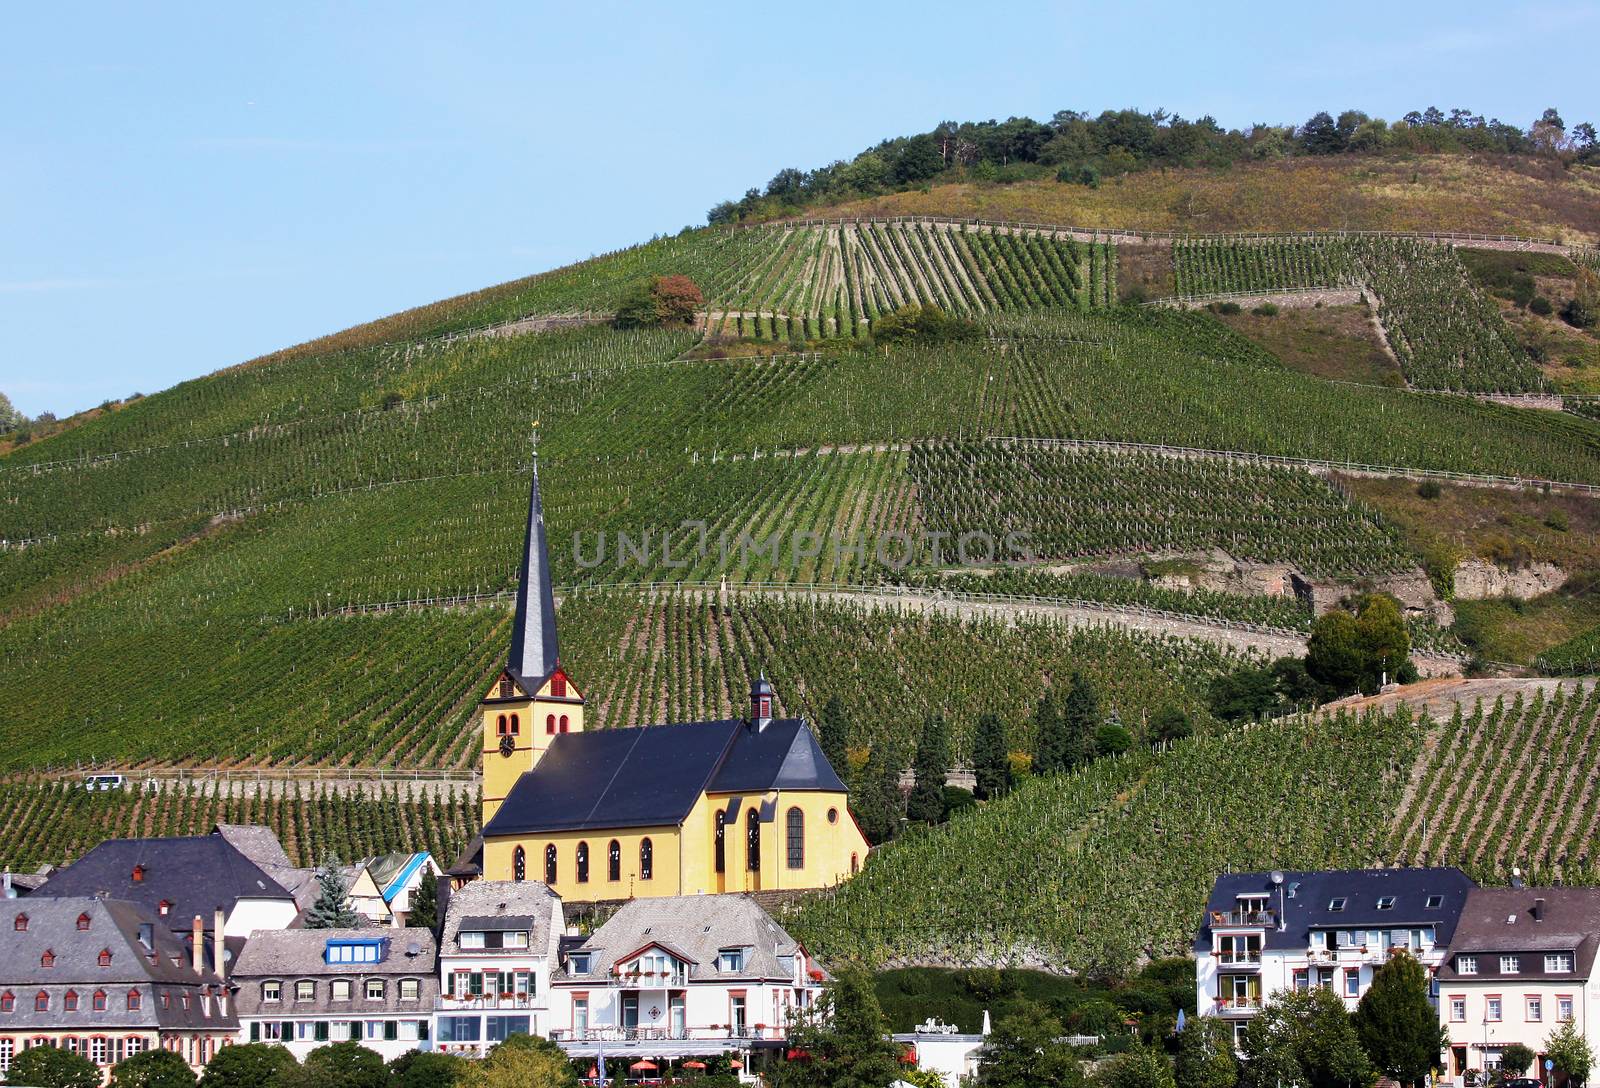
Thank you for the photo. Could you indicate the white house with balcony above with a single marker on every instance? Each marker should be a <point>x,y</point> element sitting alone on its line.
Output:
<point>1521,963</point>
<point>677,977</point>
<point>496,953</point>
<point>1266,932</point>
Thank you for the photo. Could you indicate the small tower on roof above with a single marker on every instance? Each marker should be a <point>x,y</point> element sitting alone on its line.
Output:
<point>531,701</point>
<point>761,701</point>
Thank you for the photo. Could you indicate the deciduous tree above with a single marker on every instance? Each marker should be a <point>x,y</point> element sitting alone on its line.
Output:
<point>1397,1026</point>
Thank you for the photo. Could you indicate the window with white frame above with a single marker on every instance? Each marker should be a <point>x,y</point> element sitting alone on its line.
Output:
<point>1510,965</point>
<point>1491,1008</point>
<point>1458,1009</point>
<point>305,990</point>
<point>272,991</point>
<point>471,940</point>
<point>1466,965</point>
<point>1336,904</point>
<point>340,989</point>
<point>1533,1008</point>
<point>1564,1007</point>
<point>1352,984</point>
<point>97,1050</point>
<point>8,1049</point>
<point>410,989</point>
<point>1386,902</point>
<point>730,959</point>
<point>1558,962</point>
<point>272,1030</point>
<point>339,1030</point>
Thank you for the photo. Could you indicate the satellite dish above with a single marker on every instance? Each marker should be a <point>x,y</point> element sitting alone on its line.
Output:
<point>1277,876</point>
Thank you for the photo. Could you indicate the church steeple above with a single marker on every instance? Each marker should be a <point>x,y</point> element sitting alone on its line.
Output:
<point>533,634</point>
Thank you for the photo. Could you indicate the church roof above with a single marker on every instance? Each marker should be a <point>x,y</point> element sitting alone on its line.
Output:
<point>533,632</point>
<point>651,776</point>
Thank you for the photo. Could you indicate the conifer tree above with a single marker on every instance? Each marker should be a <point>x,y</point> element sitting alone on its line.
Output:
<point>331,911</point>
<point>424,912</point>
<point>1398,1027</point>
<point>879,809</point>
<point>991,758</point>
<point>833,734</point>
<point>932,766</point>
<point>1049,749</point>
<point>1080,720</point>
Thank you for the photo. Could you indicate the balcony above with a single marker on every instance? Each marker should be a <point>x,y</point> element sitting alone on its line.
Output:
<point>1238,1006</point>
<point>651,980</point>
<point>1231,957</point>
<point>488,1002</point>
<point>1244,918</point>
<point>663,1042</point>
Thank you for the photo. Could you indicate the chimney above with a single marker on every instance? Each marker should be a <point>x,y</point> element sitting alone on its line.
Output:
<point>197,943</point>
<point>1538,909</point>
<point>217,949</point>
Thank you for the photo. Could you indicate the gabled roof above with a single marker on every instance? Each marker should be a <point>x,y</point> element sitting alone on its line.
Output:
<point>113,925</point>
<point>257,842</point>
<point>694,929</point>
<point>504,904</point>
<point>651,776</point>
<point>533,631</point>
<point>195,874</point>
<point>1308,901</point>
<point>1501,920</point>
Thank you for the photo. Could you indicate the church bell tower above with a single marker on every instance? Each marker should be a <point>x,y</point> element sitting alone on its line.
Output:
<point>531,701</point>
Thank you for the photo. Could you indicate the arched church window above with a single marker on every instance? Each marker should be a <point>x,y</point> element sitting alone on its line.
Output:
<point>797,839</point>
<point>722,841</point>
<point>519,864</point>
<point>855,864</point>
<point>500,725</point>
<point>516,726</point>
<point>563,723</point>
<point>752,841</point>
<point>550,724</point>
<point>614,861</point>
<point>550,864</point>
<point>583,863</point>
<point>647,857</point>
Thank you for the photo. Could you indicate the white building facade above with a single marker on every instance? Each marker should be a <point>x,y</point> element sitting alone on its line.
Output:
<point>1267,932</point>
<point>498,947</point>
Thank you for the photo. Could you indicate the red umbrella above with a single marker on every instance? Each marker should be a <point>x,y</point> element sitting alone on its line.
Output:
<point>736,1064</point>
<point>694,1065</point>
<point>643,1066</point>
<point>594,1071</point>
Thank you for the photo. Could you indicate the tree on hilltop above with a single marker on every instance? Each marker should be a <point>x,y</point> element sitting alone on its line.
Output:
<point>664,301</point>
<point>931,766</point>
<point>991,758</point>
<point>1081,720</point>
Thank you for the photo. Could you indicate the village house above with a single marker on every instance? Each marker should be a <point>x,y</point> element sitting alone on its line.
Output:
<point>498,947</point>
<point>737,805</point>
<point>1266,932</point>
<point>1521,963</point>
<point>676,977</point>
<point>106,979</point>
<point>307,987</point>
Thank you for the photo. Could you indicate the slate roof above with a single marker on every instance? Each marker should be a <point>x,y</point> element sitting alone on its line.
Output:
<point>288,955</point>
<point>533,630</point>
<point>1569,922</point>
<point>494,904</point>
<point>695,928</point>
<point>196,874</point>
<point>651,776</point>
<point>1313,893</point>
<point>257,842</point>
<point>114,926</point>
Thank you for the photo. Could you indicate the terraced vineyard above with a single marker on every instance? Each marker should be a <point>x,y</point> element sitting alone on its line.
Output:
<point>49,821</point>
<point>1578,656</point>
<point>832,280</point>
<point>1092,870</point>
<point>1073,503</point>
<point>1509,785</point>
<point>1444,332</point>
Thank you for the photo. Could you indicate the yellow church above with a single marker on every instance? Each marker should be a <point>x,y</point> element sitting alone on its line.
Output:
<point>741,805</point>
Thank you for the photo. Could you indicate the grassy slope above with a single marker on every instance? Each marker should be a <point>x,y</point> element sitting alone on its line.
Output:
<point>1336,342</point>
<point>1444,193</point>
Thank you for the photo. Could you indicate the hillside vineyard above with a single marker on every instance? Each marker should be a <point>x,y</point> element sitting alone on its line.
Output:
<point>310,560</point>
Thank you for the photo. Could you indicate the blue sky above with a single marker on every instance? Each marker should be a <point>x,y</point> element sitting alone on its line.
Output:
<point>186,186</point>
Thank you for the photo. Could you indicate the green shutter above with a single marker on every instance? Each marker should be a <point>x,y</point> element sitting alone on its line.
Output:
<point>255,1032</point>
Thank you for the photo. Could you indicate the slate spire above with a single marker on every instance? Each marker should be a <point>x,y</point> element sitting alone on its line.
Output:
<point>533,634</point>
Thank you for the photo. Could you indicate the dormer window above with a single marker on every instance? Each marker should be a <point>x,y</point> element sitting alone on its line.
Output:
<point>164,907</point>
<point>1386,902</point>
<point>730,960</point>
<point>1435,902</point>
<point>578,963</point>
<point>41,1002</point>
<point>48,959</point>
<point>69,1001</point>
<point>1558,963</point>
<point>135,1000</point>
<point>21,923</point>
<point>8,1002</point>
<point>362,951</point>
<point>1336,904</point>
<point>1510,965</point>
<point>1466,965</point>
<point>99,1001</point>
<point>138,873</point>
<point>105,957</point>
<point>83,921</point>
